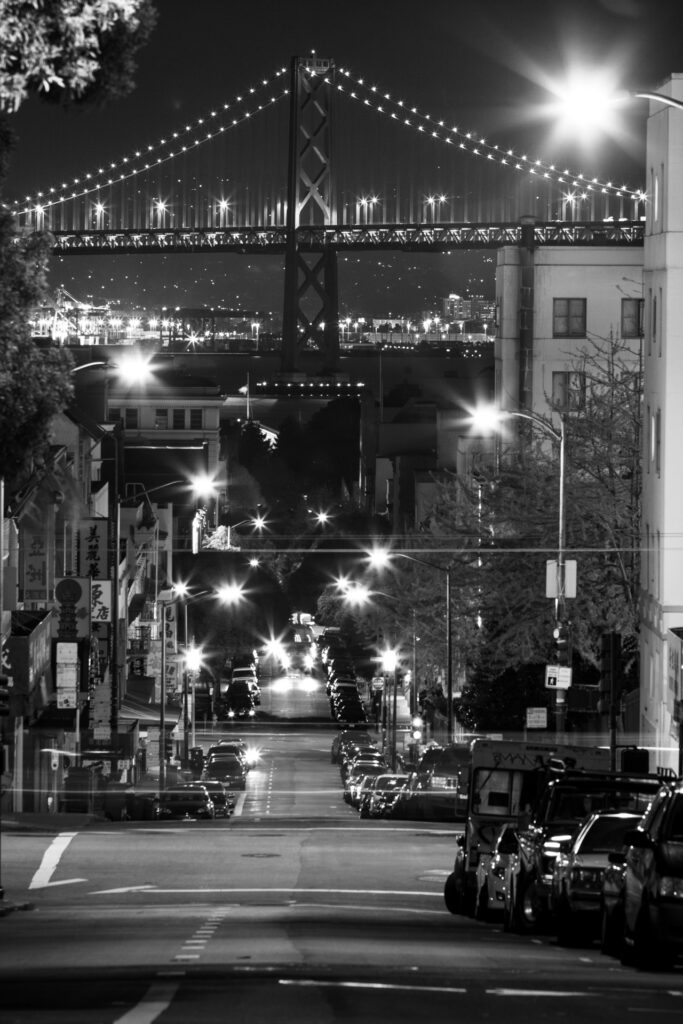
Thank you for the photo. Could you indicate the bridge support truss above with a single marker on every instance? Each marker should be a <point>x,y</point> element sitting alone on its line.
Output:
<point>311,313</point>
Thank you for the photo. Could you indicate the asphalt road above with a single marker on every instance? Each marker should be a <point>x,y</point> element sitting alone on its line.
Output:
<point>293,910</point>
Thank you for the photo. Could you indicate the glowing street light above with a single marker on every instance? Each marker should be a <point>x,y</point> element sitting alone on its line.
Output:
<point>231,593</point>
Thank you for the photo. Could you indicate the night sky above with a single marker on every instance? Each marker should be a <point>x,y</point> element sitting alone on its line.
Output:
<point>488,66</point>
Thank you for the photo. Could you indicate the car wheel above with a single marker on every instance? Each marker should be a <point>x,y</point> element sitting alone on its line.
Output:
<point>646,953</point>
<point>452,895</point>
<point>611,932</point>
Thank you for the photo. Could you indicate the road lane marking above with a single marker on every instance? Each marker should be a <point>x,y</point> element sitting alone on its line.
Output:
<point>50,861</point>
<point>290,889</point>
<point>376,985</point>
<point>534,992</point>
<point>155,1001</point>
<point>125,888</point>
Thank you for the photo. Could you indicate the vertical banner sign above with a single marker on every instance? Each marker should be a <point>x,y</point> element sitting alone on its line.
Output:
<point>170,642</point>
<point>74,604</point>
<point>100,711</point>
<point>67,666</point>
<point>35,566</point>
<point>93,542</point>
<point>101,600</point>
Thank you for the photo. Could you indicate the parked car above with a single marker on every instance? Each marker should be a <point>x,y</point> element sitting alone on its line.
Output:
<point>223,801</point>
<point>363,756</point>
<point>565,802</point>
<point>189,800</point>
<point>491,874</point>
<point>438,788</point>
<point>653,884</point>
<point>344,738</point>
<point>238,747</point>
<point>124,802</point>
<point>379,797</point>
<point>228,769</point>
<point>578,872</point>
<point>354,780</point>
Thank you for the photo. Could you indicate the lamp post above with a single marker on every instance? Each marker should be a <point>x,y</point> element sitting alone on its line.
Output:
<point>193,660</point>
<point>380,557</point>
<point>492,418</point>
<point>165,598</point>
<point>390,665</point>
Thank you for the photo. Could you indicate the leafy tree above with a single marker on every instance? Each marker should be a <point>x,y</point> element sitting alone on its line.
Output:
<point>498,529</point>
<point>70,50</point>
<point>34,382</point>
<point>507,521</point>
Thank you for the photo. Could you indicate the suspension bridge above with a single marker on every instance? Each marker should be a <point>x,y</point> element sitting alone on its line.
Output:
<point>276,170</point>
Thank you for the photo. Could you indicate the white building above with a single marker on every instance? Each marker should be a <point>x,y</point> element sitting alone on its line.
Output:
<point>662,541</point>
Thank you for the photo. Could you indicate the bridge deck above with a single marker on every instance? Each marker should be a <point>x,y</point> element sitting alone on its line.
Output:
<point>406,237</point>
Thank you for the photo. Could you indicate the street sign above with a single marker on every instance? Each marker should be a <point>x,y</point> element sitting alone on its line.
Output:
<point>537,718</point>
<point>554,585</point>
<point>558,677</point>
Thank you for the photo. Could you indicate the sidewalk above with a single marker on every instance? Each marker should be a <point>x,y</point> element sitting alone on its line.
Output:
<point>44,822</point>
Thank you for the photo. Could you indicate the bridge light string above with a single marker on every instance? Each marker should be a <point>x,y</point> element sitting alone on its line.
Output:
<point>117,171</point>
<point>470,141</point>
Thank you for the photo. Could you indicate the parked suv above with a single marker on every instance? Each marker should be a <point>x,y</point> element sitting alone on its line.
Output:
<point>186,801</point>
<point>564,804</point>
<point>653,883</point>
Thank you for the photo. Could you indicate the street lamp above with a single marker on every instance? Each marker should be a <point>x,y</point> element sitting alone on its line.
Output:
<point>390,666</point>
<point>380,557</point>
<point>491,418</point>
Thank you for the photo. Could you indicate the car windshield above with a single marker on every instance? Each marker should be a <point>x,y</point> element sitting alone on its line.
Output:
<point>606,834</point>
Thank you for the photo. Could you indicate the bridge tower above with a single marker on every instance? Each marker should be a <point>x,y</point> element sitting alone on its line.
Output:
<point>310,302</point>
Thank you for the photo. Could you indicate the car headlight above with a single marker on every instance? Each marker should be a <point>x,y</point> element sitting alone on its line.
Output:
<point>671,887</point>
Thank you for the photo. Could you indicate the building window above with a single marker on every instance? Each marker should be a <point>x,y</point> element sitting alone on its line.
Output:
<point>569,318</point>
<point>632,318</point>
<point>178,419</point>
<point>196,419</point>
<point>114,414</point>
<point>658,441</point>
<point>131,419</point>
<point>569,390</point>
<point>161,419</point>
<point>654,321</point>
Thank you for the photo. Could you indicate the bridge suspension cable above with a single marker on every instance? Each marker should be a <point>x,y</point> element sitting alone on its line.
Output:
<point>472,141</point>
<point>119,170</point>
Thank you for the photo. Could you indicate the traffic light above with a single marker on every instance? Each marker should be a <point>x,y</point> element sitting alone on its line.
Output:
<point>168,748</point>
<point>4,696</point>
<point>561,644</point>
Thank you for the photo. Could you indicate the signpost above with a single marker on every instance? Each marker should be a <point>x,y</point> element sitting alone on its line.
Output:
<point>537,718</point>
<point>558,677</point>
